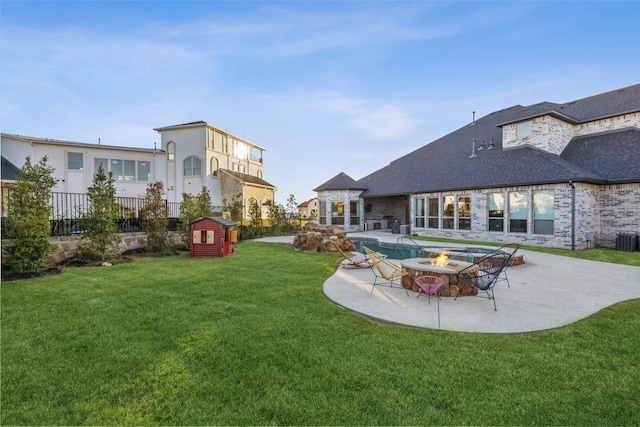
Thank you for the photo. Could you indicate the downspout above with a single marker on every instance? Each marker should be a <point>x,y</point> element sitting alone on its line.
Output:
<point>573,216</point>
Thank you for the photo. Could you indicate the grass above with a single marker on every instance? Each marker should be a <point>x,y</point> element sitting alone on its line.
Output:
<point>251,340</point>
<point>604,255</point>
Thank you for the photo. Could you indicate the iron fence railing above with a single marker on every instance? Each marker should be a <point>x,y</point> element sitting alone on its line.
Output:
<point>67,210</point>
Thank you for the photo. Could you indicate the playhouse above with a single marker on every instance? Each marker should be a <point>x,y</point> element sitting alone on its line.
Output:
<point>212,237</point>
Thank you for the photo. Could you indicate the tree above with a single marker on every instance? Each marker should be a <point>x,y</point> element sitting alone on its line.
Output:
<point>28,224</point>
<point>292,211</point>
<point>155,218</point>
<point>192,208</point>
<point>100,238</point>
<point>234,208</point>
<point>276,215</point>
<point>255,216</point>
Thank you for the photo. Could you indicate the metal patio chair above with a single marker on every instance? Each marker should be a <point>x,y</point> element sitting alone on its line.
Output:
<point>484,274</point>
<point>384,269</point>
<point>429,285</point>
<point>354,259</point>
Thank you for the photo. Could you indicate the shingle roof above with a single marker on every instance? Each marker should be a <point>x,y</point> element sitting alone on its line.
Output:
<point>10,171</point>
<point>342,181</point>
<point>246,178</point>
<point>445,164</point>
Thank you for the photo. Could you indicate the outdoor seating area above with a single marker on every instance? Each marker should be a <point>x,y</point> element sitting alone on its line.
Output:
<point>547,292</point>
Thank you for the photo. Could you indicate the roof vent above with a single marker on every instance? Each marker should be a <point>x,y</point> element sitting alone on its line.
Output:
<point>473,149</point>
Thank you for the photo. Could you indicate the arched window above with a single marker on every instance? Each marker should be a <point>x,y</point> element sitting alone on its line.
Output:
<point>192,166</point>
<point>214,166</point>
<point>171,151</point>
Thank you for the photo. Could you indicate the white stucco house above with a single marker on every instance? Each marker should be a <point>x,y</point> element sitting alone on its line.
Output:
<point>191,156</point>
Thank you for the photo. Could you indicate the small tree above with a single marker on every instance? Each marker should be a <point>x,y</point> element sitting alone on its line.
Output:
<point>101,237</point>
<point>155,218</point>
<point>28,214</point>
<point>255,216</point>
<point>233,210</point>
<point>192,208</point>
<point>292,212</point>
<point>276,215</point>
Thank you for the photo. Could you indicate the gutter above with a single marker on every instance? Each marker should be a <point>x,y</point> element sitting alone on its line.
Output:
<point>573,216</point>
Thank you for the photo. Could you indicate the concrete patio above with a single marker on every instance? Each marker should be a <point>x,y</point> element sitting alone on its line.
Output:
<point>548,291</point>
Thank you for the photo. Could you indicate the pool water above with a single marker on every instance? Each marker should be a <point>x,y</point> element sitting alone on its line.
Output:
<point>388,249</point>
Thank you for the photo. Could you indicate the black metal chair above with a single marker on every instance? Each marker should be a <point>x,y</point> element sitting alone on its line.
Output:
<point>484,274</point>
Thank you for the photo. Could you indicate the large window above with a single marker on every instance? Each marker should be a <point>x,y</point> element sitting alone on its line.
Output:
<point>337,213</point>
<point>420,212</point>
<point>496,212</point>
<point>123,170</point>
<point>448,212</point>
<point>518,209</point>
<point>543,211</point>
<point>322,207</point>
<point>354,214</point>
<point>433,212</point>
<point>144,171</point>
<point>192,166</point>
<point>464,213</point>
<point>75,161</point>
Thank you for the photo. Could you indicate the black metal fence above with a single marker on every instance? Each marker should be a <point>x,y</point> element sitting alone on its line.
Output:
<point>68,208</point>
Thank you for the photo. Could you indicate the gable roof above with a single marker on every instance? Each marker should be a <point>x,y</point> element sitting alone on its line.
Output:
<point>247,179</point>
<point>10,171</point>
<point>220,220</point>
<point>445,164</point>
<point>342,181</point>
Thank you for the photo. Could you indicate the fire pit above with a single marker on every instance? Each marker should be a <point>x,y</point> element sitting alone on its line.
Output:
<point>441,267</point>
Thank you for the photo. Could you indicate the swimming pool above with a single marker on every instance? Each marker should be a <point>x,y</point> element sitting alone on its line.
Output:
<point>388,249</point>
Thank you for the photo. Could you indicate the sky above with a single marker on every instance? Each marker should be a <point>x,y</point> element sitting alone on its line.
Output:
<point>325,87</point>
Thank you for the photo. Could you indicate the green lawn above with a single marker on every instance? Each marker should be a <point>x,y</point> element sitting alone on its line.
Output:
<point>251,340</point>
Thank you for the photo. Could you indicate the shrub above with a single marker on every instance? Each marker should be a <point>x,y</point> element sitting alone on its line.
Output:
<point>154,218</point>
<point>100,238</point>
<point>28,214</point>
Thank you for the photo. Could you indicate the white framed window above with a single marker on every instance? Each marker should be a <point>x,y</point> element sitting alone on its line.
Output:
<point>464,213</point>
<point>524,129</point>
<point>518,211</point>
<point>144,171</point>
<point>420,213</point>
<point>496,212</point>
<point>75,161</point>
<point>434,212</point>
<point>215,166</point>
<point>171,151</point>
<point>543,211</point>
<point>192,166</point>
<point>448,212</point>
<point>123,170</point>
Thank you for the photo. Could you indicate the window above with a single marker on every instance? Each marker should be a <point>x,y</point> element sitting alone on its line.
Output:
<point>214,167</point>
<point>322,207</point>
<point>123,170</point>
<point>496,212</point>
<point>255,154</point>
<point>144,171</point>
<point>543,211</point>
<point>192,166</point>
<point>518,208</point>
<point>464,213</point>
<point>337,213</point>
<point>448,212</point>
<point>100,162</point>
<point>171,151</point>
<point>524,129</point>
<point>420,213</point>
<point>433,212</point>
<point>75,161</point>
<point>354,208</point>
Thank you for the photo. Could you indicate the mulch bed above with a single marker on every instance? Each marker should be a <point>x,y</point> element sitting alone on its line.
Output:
<point>21,275</point>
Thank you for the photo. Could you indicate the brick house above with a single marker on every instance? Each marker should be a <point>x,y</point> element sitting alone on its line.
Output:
<point>555,175</point>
